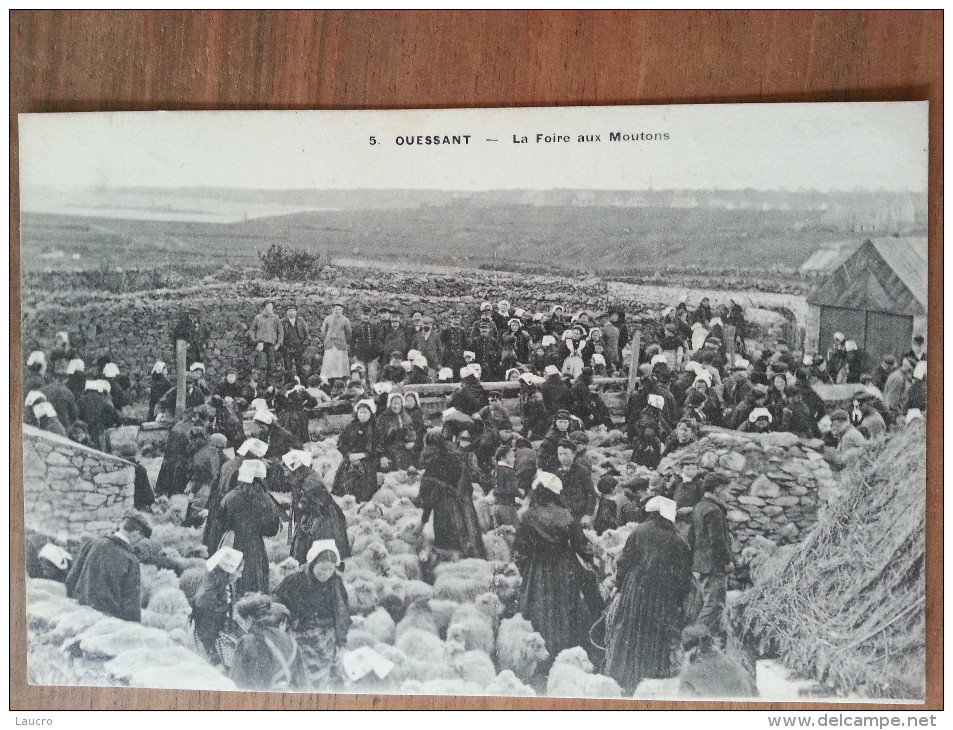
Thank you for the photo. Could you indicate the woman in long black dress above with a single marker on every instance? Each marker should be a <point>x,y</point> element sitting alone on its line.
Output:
<point>251,515</point>
<point>559,596</point>
<point>654,577</point>
<point>394,432</point>
<point>446,493</point>
<point>358,443</point>
<point>315,514</point>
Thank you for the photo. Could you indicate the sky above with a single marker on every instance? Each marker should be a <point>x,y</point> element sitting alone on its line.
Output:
<point>837,146</point>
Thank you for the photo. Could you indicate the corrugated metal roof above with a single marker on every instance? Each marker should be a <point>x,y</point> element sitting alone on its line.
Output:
<point>908,257</point>
<point>884,274</point>
<point>830,256</point>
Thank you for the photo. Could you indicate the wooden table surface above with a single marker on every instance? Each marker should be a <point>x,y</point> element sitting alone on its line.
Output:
<point>64,61</point>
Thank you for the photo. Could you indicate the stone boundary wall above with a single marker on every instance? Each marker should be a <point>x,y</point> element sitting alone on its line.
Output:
<point>70,490</point>
<point>779,482</point>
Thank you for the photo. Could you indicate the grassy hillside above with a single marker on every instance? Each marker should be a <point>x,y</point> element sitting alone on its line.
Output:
<point>598,239</point>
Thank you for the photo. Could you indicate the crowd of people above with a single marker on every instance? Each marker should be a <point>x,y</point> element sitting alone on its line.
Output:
<point>699,369</point>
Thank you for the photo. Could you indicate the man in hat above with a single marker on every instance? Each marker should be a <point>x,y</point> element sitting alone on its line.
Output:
<point>711,551</point>
<point>264,336</point>
<point>850,442</point>
<point>486,317</point>
<point>394,338</point>
<point>486,349</point>
<point>293,338</point>
<point>427,342</point>
<point>105,575</point>
<point>453,341</point>
<point>365,337</point>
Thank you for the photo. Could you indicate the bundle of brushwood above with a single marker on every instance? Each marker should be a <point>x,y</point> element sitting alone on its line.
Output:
<point>847,606</point>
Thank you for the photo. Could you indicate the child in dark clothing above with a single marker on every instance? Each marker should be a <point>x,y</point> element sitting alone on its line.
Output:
<point>634,496</point>
<point>607,510</point>
<point>506,489</point>
<point>394,372</point>
<point>647,450</point>
<point>143,496</point>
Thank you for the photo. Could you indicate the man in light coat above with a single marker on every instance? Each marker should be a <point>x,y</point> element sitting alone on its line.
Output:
<point>264,335</point>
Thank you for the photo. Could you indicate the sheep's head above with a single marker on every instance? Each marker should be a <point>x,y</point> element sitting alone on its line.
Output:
<point>532,649</point>
<point>490,605</point>
<point>574,657</point>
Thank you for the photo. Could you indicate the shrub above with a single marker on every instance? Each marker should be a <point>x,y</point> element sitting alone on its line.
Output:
<point>290,265</point>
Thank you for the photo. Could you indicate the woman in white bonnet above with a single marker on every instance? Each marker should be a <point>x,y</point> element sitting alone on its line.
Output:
<point>214,601</point>
<point>653,577</point>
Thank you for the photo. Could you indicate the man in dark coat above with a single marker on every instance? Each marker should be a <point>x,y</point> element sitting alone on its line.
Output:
<point>105,575</point>
<point>364,343</point>
<point>486,348</point>
<point>394,338</point>
<point>428,343</point>
<point>711,551</point>
<point>453,340</point>
<point>293,338</point>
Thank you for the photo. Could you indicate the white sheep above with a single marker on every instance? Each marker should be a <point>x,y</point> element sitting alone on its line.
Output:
<point>496,547</point>
<point>484,503</point>
<point>571,676</point>
<point>519,647</point>
<point>442,610</point>
<point>154,582</point>
<point>418,618</point>
<point>490,606</point>
<point>426,657</point>
<point>472,628</point>
<point>380,624</point>
<point>473,666</point>
<point>507,684</point>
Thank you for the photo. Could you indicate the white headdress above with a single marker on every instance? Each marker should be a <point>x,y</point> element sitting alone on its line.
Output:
<point>666,507</point>
<point>320,546</point>
<point>549,481</point>
<point>295,458</point>
<point>252,469</point>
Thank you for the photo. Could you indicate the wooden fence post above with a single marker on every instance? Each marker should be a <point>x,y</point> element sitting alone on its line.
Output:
<point>179,379</point>
<point>635,347</point>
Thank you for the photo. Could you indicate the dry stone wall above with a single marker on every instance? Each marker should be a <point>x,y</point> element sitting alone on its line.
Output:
<point>71,490</point>
<point>778,483</point>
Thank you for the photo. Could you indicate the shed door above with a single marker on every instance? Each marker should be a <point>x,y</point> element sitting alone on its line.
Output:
<point>887,333</point>
<point>852,322</point>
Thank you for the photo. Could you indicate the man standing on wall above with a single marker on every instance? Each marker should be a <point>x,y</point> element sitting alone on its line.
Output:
<point>711,548</point>
<point>264,334</point>
<point>292,341</point>
<point>364,342</point>
<point>105,575</point>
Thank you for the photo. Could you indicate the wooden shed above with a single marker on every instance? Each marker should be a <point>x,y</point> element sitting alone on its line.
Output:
<point>877,296</point>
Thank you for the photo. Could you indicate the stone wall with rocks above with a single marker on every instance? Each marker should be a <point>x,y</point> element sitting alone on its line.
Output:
<point>778,483</point>
<point>71,490</point>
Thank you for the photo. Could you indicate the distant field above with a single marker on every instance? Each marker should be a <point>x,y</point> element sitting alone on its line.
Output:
<point>594,239</point>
